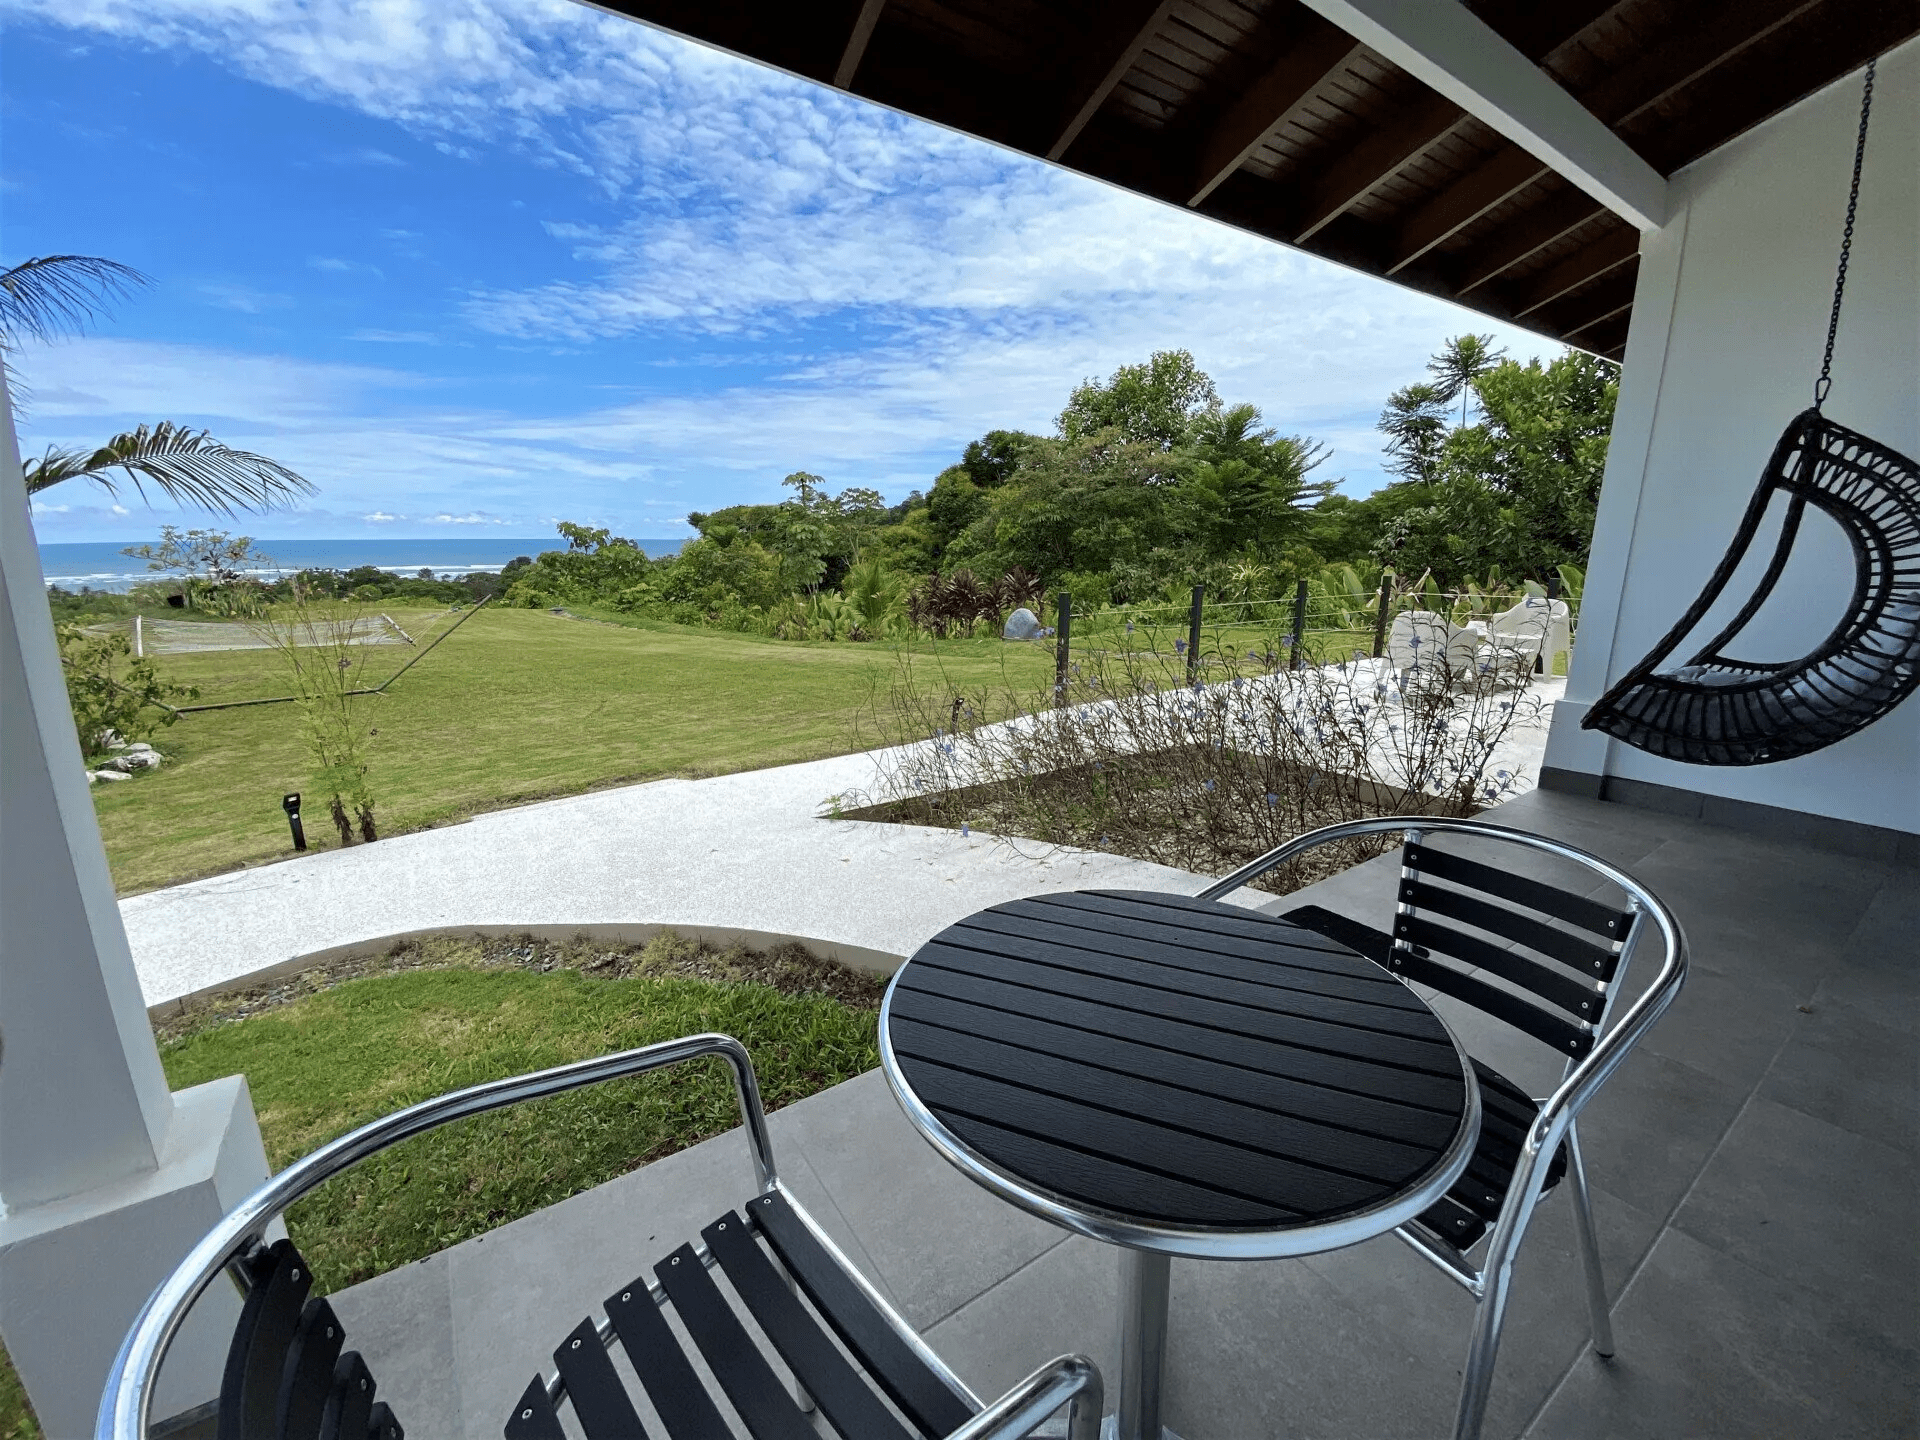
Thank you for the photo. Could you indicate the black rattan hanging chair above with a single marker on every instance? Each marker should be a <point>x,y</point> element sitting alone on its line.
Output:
<point>1716,710</point>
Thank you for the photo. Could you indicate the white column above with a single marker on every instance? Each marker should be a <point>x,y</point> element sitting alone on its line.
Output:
<point>1642,376</point>
<point>106,1179</point>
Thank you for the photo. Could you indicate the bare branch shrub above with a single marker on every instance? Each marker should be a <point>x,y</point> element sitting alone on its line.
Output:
<point>322,645</point>
<point>1129,756</point>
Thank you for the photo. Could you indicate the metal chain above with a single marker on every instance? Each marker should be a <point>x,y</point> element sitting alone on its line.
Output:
<point>1825,382</point>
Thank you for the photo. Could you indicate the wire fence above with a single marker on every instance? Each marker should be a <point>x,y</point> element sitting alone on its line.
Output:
<point>1316,625</point>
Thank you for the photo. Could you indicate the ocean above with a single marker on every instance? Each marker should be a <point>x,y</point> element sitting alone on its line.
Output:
<point>100,565</point>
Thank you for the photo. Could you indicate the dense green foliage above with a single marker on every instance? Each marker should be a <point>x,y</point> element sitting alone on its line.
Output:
<point>112,693</point>
<point>1149,484</point>
<point>1517,491</point>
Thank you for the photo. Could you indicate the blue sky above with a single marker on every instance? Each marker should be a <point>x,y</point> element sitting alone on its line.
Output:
<point>475,265</point>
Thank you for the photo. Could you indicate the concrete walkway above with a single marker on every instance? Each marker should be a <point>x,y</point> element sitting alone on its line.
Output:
<point>737,856</point>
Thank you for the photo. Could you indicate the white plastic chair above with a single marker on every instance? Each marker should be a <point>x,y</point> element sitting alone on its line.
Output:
<point>1542,628</point>
<point>1423,642</point>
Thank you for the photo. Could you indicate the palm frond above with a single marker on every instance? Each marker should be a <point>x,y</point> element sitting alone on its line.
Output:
<point>189,466</point>
<point>55,295</point>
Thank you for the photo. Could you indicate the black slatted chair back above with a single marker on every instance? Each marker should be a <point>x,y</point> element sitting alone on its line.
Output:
<point>1557,958</point>
<point>864,1377</point>
<point>1557,952</point>
<point>288,1374</point>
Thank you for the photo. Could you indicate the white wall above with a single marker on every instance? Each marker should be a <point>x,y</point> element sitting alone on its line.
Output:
<point>1729,321</point>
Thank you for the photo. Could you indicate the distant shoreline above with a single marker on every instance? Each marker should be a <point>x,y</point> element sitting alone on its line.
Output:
<point>99,565</point>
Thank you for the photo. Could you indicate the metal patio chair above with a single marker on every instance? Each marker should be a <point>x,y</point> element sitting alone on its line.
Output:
<point>842,1346</point>
<point>1547,962</point>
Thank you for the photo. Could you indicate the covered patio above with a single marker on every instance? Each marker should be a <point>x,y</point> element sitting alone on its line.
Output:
<point>1651,182</point>
<point>1754,1165</point>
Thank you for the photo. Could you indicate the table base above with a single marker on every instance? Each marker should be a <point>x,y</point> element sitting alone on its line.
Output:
<point>1145,1277</point>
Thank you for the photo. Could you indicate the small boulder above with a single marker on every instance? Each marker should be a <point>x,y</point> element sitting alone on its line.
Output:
<point>1023,624</point>
<point>103,774</point>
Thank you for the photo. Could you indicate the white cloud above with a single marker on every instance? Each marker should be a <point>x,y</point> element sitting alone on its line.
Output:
<point>334,265</point>
<point>102,380</point>
<point>244,298</point>
<point>380,517</point>
<point>977,287</point>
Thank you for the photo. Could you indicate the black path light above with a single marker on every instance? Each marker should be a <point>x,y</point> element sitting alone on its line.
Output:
<point>291,804</point>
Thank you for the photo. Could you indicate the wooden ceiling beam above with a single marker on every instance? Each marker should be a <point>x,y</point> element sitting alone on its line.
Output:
<point>1376,158</point>
<point>1100,64</point>
<point>855,49</point>
<point>1538,32</point>
<point>1737,97</point>
<point>1689,55</point>
<point>1577,316</point>
<point>1607,338</point>
<point>1492,183</point>
<point>1449,49</point>
<point>1272,101</point>
<point>1607,253</point>
<point>1527,237</point>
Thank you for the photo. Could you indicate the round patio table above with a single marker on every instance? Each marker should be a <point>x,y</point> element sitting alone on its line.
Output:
<point>1176,1077</point>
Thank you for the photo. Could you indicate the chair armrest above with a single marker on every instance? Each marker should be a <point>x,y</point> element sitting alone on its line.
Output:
<point>1014,1415</point>
<point>1325,835</point>
<point>128,1397</point>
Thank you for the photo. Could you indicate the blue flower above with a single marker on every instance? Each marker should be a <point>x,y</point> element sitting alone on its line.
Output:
<point>1208,786</point>
<point>1272,799</point>
<point>965,829</point>
<point>1179,647</point>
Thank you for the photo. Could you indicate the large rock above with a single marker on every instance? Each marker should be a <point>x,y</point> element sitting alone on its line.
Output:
<point>1023,624</point>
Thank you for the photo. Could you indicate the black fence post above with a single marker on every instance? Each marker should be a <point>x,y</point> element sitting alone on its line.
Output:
<point>1553,585</point>
<point>1193,634</point>
<point>291,804</point>
<point>1299,626</point>
<point>1063,629</point>
<point>1380,619</point>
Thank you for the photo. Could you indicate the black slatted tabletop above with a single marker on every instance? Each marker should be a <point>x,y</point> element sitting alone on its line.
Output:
<point>1175,1062</point>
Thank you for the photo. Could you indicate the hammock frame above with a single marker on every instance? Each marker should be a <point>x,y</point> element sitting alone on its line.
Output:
<point>1718,710</point>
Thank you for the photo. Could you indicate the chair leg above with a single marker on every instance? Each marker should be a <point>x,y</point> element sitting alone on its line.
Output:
<point>1476,1380</point>
<point>1597,1308</point>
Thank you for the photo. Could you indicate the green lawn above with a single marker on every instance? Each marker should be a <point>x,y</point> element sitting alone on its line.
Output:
<point>337,1058</point>
<point>519,705</point>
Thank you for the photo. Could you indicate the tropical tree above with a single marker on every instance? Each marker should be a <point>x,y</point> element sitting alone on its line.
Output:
<point>1518,490</point>
<point>1414,423</point>
<point>53,297</point>
<point>189,466</point>
<point>1461,361</point>
<point>1158,403</point>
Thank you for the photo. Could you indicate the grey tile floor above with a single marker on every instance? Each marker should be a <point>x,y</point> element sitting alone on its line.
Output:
<point>1755,1184</point>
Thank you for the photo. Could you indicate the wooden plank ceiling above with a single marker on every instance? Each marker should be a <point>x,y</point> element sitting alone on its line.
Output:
<point>1262,114</point>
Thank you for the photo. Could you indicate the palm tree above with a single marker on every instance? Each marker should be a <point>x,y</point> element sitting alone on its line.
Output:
<point>190,466</point>
<point>54,296</point>
<point>1413,423</point>
<point>1464,359</point>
